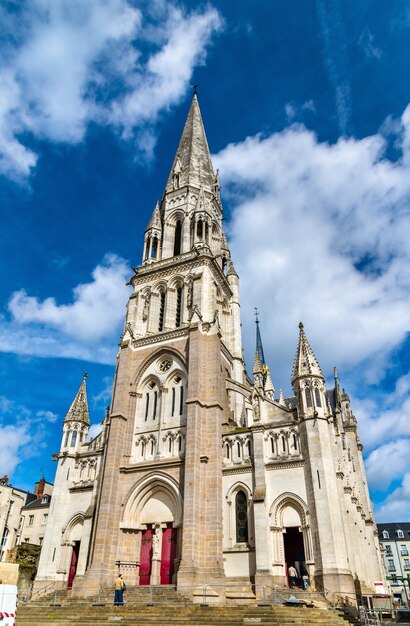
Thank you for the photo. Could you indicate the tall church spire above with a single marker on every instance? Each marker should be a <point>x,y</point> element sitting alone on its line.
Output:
<point>78,411</point>
<point>305,363</point>
<point>259,346</point>
<point>192,163</point>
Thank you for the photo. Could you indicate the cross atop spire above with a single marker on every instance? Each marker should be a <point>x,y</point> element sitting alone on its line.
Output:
<point>192,163</point>
<point>305,363</point>
<point>78,411</point>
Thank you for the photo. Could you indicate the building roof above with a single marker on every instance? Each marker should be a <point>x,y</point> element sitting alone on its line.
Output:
<point>38,503</point>
<point>392,527</point>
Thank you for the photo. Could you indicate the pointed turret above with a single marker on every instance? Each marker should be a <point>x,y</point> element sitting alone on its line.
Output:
<point>77,421</point>
<point>192,164</point>
<point>78,411</point>
<point>305,363</point>
<point>308,381</point>
<point>153,236</point>
<point>155,221</point>
<point>269,388</point>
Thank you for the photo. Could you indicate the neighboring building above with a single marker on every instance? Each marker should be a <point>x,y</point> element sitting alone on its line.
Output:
<point>395,541</point>
<point>12,500</point>
<point>201,476</point>
<point>35,515</point>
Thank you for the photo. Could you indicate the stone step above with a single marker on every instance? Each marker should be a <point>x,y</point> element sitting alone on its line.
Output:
<point>204,616</point>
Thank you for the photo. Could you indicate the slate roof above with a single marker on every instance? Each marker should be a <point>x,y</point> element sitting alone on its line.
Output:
<point>392,527</point>
<point>37,503</point>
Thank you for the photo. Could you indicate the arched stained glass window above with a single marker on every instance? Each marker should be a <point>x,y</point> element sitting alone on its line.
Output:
<point>66,438</point>
<point>317,397</point>
<point>241,512</point>
<point>73,439</point>
<point>308,397</point>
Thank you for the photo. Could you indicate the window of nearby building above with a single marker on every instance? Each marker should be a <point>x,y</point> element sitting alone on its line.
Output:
<point>26,540</point>
<point>30,520</point>
<point>45,516</point>
<point>44,499</point>
<point>400,534</point>
<point>386,534</point>
<point>40,540</point>
<point>391,566</point>
<point>241,510</point>
<point>21,523</point>
<point>4,543</point>
<point>403,550</point>
<point>388,550</point>
<point>406,564</point>
<point>11,504</point>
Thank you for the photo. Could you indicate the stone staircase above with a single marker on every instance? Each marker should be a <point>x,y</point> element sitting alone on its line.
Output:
<point>164,606</point>
<point>193,615</point>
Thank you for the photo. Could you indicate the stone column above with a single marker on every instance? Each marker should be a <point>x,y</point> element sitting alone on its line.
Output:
<point>263,575</point>
<point>156,556</point>
<point>202,556</point>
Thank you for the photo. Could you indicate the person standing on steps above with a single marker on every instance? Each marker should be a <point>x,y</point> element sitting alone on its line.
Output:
<point>305,578</point>
<point>119,588</point>
<point>292,576</point>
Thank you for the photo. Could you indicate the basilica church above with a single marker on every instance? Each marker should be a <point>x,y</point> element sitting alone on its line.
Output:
<point>202,475</point>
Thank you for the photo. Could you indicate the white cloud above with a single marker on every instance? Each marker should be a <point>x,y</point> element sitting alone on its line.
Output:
<point>367,44</point>
<point>12,441</point>
<point>387,463</point>
<point>105,394</point>
<point>395,507</point>
<point>47,416</point>
<point>94,430</point>
<point>335,58</point>
<point>68,63</point>
<point>25,437</point>
<point>319,233</point>
<point>84,329</point>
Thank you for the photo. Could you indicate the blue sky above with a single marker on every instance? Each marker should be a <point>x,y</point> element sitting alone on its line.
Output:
<point>306,108</point>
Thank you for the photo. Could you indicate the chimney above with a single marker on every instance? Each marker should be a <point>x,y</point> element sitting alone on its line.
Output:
<point>39,488</point>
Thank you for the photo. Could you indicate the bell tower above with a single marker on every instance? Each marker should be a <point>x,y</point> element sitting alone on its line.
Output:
<point>180,347</point>
<point>316,427</point>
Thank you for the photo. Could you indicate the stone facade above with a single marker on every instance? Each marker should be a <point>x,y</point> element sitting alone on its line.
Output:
<point>200,475</point>
<point>12,501</point>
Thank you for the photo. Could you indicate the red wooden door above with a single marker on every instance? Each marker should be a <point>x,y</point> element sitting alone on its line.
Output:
<point>146,557</point>
<point>168,554</point>
<point>73,565</point>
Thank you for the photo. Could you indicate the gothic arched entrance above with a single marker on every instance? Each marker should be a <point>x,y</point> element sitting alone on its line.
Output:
<point>291,537</point>
<point>154,510</point>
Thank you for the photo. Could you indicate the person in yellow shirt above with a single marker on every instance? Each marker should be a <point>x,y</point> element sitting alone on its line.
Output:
<point>119,587</point>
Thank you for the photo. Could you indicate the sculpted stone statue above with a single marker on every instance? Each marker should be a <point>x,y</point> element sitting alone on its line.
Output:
<point>145,311</point>
<point>189,297</point>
